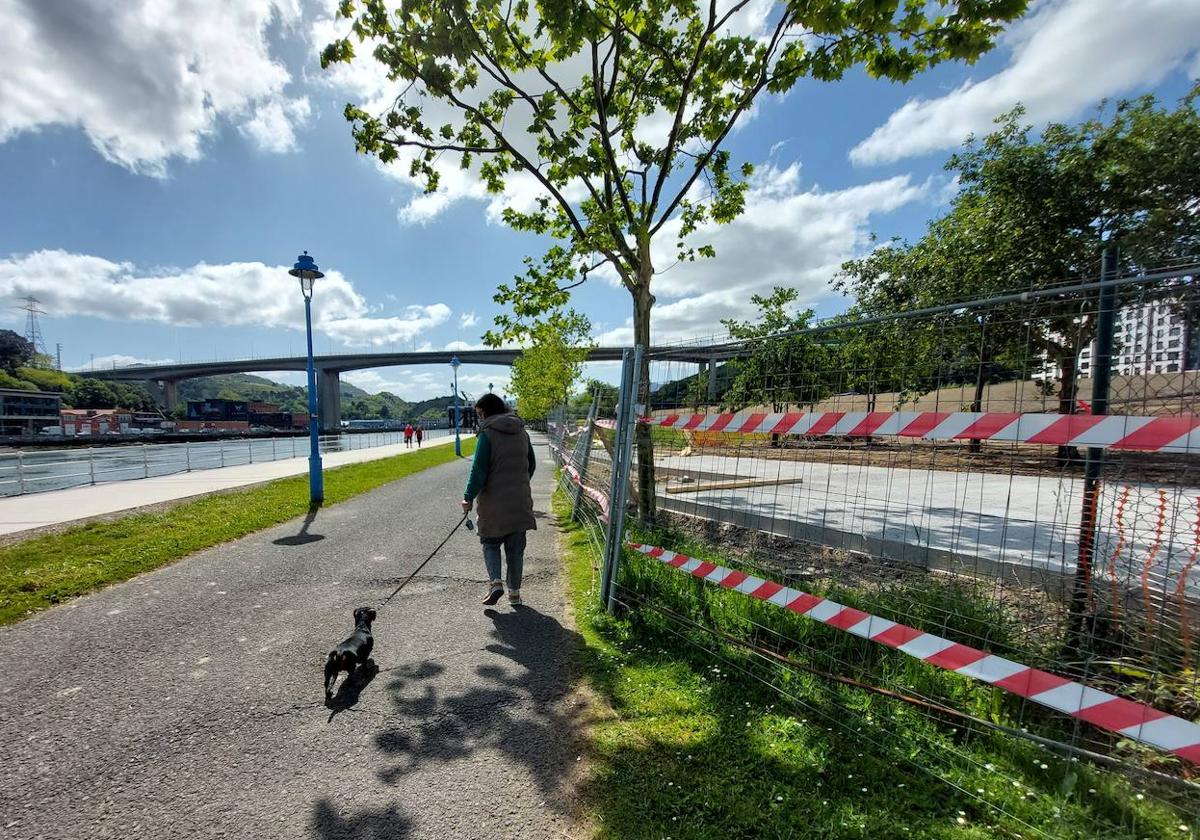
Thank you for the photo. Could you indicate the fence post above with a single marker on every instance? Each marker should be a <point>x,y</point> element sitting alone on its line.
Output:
<point>20,471</point>
<point>618,494</point>
<point>585,456</point>
<point>92,464</point>
<point>1081,591</point>
<point>617,516</point>
<point>221,447</point>
<point>187,455</point>
<point>145,462</point>
<point>616,478</point>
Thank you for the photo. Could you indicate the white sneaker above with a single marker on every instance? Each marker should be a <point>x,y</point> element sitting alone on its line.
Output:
<point>514,597</point>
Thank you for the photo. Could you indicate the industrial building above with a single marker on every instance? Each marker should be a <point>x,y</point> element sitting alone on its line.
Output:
<point>28,412</point>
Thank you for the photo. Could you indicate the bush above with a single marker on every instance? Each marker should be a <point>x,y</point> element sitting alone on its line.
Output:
<point>7,380</point>
<point>46,380</point>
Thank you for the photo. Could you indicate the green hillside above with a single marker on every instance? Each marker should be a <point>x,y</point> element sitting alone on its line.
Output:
<point>357,404</point>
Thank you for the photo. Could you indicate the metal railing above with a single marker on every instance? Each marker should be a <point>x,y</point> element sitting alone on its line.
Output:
<point>59,469</point>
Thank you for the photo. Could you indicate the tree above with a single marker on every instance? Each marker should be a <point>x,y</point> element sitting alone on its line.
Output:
<point>15,351</point>
<point>1130,182</point>
<point>609,395</point>
<point>92,393</point>
<point>563,94</point>
<point>784,366</point>
<point>545,373</point>
<point>1037,211</point>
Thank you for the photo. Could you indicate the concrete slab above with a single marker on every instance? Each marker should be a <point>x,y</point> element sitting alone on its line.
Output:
<point>983,521</point>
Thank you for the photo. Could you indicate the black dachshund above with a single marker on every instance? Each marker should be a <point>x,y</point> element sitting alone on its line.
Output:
<point>355,651</point>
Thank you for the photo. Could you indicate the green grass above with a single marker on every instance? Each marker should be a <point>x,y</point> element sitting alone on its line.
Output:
<point>700,749</point>
<point>43,571</point>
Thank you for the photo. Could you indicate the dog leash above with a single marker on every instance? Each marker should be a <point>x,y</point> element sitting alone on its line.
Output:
<point>396,591</point>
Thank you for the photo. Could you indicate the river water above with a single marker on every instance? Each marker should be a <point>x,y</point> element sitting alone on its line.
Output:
<point>36,471</point>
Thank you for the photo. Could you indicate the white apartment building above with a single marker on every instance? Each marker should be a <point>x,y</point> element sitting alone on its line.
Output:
<point>1149,338</point>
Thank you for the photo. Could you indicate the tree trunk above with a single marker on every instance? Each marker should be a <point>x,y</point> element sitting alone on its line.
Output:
<point>643,301</point>
<point>977,403</point>
<point>1066,401</point>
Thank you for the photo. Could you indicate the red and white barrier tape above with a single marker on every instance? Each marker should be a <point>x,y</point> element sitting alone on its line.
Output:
<point>1132,720</point>
<point>1112,431</point>
<point>601,499</point>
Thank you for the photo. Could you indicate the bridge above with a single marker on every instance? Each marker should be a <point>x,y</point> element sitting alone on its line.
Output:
<point>163,380</point>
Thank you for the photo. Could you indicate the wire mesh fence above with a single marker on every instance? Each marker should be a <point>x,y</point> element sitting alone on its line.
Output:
<point>968,536</point>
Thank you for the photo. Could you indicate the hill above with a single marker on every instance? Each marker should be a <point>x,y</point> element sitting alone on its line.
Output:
<point>692,390</point>
<point>357,404</point>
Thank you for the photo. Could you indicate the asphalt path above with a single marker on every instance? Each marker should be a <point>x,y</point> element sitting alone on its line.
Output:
<point>188,702</point>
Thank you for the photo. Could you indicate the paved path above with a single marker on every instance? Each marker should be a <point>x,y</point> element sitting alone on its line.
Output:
<point>187,703</point>
<point>39,510</point>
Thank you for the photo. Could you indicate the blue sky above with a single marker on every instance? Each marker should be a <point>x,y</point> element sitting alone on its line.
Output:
<point>161,171</point>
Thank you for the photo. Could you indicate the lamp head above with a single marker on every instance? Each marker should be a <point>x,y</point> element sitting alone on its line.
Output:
<point>307,271</point>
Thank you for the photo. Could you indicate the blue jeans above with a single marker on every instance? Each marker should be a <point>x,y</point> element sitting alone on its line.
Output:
<point>514,553</point>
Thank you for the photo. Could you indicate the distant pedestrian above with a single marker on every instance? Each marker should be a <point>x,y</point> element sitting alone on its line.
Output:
<point>420,433</point>
<point>408,435</point>
<point>500,473</point>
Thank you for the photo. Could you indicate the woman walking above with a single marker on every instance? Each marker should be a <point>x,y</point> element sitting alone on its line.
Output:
<point>500,473</point>
<point>419,433</point>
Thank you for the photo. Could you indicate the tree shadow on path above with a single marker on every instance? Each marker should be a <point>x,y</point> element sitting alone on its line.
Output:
<point>518,712</point>
<point>377,824</point>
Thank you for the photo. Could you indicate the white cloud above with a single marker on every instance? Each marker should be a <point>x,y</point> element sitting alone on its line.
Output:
<point>146,80</point>
<point>1066,56</point>
<point>232,294</point>
<point>376,331</point>
<point>119,360</point>
<point>464,345</point>
<point>788,236</point>
<point>271,127</point>
<point>426,382</point>
<point>468,319</point>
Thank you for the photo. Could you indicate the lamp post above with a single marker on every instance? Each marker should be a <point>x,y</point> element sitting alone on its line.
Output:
<point>306,270</point>
<point>454,363</point>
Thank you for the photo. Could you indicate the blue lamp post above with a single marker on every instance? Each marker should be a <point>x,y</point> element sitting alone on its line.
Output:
<point>454,363</point>
<point>306,270</point>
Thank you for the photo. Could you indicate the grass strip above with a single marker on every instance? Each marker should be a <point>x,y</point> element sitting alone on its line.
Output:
<point>43,571</point>
<point>700,749</point>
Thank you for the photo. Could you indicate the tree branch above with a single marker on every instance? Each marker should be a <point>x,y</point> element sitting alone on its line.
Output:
<point>685,90</point>
<point>610,156</point>
<point>401,142</point>
<point>747,100</point>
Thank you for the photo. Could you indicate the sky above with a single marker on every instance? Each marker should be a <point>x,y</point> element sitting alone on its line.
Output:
<point>163,162</point>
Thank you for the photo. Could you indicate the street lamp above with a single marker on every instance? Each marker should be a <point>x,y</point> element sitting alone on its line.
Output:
<point>306,270</point>
<point>489,387</point>
<point>454,363</point>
